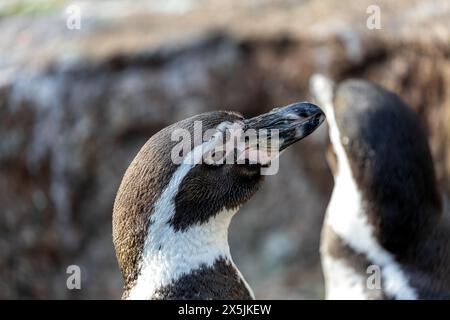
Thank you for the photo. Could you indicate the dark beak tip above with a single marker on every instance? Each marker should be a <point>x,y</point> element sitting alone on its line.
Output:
<point>315,110</point>
<point>305,109</point>
<point>321,115</point>
<point>288,116</point>
<point>317,113</point>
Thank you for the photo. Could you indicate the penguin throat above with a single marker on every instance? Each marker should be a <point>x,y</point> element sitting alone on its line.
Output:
<point>169,254</point>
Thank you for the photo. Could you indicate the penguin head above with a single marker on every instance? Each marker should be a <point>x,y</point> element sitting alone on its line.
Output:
<point>384,141</point>
<point>187,169</point>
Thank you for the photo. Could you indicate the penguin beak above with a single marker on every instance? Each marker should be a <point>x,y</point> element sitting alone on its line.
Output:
<point>289,124</point>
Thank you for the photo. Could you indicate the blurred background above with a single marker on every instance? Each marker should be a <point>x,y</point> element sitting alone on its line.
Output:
<point>76,104</point>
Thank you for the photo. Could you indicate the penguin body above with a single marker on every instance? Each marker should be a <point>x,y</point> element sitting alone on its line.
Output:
<point>384,218</point>
<point>170,220</point>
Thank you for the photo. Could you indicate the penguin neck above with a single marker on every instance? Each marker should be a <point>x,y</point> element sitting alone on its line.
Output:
<point>396,220</point>
<point>169,254</point>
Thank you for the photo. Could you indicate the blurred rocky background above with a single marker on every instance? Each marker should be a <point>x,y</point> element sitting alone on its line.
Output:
<point>77,104</point>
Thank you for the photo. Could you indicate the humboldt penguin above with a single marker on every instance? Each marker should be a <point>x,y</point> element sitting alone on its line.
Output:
<point>384,235</point>
<point>174,206</point>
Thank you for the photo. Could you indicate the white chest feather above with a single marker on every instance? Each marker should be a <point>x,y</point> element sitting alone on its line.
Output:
<point>346,216</point>
<point>170,254</point>
<point>341,281</point>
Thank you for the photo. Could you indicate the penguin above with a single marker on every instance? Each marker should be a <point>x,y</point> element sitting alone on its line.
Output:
<point>171,218</point>
<point>384,234</point>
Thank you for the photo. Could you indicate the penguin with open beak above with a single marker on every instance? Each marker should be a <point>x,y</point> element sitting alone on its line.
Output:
<point>174,205</point>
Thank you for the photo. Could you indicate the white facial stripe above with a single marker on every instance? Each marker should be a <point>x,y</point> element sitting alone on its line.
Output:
<point>181,251</point>
<point>322,89</point>
<point>345,213</point>
<point>196,155</point>
<point>215,143</point>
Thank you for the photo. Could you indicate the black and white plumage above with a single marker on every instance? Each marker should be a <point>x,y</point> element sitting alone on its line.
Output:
<point>170,221</point>
<point>385,209</point>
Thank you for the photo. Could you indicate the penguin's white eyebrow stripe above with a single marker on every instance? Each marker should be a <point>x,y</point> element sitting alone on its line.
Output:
<point>195,156</point>
<point>322,89</point>
<point>167,197</point>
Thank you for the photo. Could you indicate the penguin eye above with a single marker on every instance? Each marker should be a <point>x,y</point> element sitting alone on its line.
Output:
<point>215,158</point>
